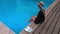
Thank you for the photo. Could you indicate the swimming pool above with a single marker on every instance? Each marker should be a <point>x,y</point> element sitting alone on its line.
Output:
<point>15,13</point>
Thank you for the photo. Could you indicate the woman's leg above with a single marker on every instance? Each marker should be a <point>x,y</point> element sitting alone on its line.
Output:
<point>32,19</point>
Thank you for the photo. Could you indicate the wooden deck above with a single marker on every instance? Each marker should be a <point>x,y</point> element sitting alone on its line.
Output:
<point>51,24</point>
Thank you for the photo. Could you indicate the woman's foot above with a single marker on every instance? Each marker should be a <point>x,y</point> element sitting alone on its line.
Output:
<point>32,19</point>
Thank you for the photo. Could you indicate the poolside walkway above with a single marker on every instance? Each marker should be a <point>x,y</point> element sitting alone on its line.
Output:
<point>5,30</point>
<point>51,25</point>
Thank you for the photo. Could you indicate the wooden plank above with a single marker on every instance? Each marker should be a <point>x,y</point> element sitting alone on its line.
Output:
<point>43,24</point>
<point>53,24</point>
<point>59,31</point>
<point>49,22</point>
<point>57,27</point>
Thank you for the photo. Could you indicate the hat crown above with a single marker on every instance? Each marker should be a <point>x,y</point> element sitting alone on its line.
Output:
<point>42,2</point>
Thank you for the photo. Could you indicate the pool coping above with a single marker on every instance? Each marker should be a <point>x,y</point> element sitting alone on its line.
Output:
<point>33,25</point>
<point>7,28</point>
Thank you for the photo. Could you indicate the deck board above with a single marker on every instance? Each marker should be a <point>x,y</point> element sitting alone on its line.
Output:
<point>48,23</point>
<point>56,30</point>
<point>53,24</point>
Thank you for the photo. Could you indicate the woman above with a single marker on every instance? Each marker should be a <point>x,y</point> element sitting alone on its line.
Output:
<point>41,15</point>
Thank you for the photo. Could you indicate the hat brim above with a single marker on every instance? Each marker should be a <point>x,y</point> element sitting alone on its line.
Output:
<point>41,4</point>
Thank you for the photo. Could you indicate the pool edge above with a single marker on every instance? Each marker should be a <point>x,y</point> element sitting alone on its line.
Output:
<point>5,28</point>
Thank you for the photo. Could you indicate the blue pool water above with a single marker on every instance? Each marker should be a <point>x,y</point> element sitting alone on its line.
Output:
<point>15,13</point>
